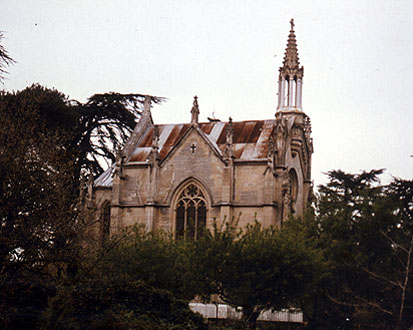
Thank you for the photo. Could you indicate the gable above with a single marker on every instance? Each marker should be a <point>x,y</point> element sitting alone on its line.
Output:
<point>250,139</point>
<point>194,143</point>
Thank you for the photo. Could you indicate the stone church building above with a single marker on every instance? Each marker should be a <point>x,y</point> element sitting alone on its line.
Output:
<point>181,177</point>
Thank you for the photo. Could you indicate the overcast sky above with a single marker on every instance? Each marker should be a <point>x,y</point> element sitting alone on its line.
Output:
<point>357,58</point>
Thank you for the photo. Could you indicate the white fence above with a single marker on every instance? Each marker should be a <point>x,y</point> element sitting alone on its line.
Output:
<point>223,311</point>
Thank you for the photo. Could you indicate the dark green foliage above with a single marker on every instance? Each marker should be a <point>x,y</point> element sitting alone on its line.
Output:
<point>90,132</point>
<point>138,282</point>
<point>36,203</point>
<point>105,122</point>
<point>209,257</point>
<point>231,324</point>
<point>113,300</point>
<point>154,258</point>
<point>24,301</point>
<point>46,145</point>
<point>365,231</point>
<point>257,268</point>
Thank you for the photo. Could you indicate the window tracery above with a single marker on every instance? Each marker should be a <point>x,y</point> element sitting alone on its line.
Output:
<point>191,210</point>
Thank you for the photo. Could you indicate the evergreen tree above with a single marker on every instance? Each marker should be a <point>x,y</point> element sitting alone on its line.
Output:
<point>258,269</point>
<point>47,143</point>
<point>365,230</point>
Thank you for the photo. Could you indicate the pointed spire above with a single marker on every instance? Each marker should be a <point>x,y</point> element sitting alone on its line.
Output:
<point>291,60</point>
<point>195,111</point>
<point>290,79</point>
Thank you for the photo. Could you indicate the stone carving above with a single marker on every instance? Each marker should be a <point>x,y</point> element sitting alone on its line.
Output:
<point>271,149</point>
<point>307,128</point>
<point>286,181</point>
<point>154,154</point>
<point>228,151</point>
<point>280,142</point>
<point>287,207</point>
<point>120,159</point>
<point>89,193</point>
<point>288,199</point>
<point>195,111</point>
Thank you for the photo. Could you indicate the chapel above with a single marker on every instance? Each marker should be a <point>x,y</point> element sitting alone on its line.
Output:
<point>182,177</point>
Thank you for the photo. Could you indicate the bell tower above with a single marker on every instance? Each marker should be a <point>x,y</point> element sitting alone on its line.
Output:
<point>293,145</point>
<point>290,80</point>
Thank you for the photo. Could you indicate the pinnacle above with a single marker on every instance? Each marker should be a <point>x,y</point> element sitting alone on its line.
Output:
<point>291,60</point>
<point>195,111</point>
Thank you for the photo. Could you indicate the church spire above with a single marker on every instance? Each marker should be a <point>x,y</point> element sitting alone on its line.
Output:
<point>291,77</point>
<point>291,60</point>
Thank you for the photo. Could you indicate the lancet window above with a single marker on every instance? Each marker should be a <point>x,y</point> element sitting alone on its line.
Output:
<point>294,184</point>
<point>105,222</point>
<point>191,211</point>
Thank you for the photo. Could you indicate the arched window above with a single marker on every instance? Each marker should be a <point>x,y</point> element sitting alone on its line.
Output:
<point>286,92</point>
<point>294,184</point>
<point>191,209</point>
<point>105,222</point>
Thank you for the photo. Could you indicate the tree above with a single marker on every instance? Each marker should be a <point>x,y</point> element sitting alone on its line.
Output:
<point>138,281</point>
<point>46,145</point>
<point>258,269</point>
<point>104,124</point>
<point>394,275</point>
<point>90,132</point>
<point>5,59</point>
<point>154,258</point>
<point>111,299</point>
<point>365,230</point>
<point>36,208</point>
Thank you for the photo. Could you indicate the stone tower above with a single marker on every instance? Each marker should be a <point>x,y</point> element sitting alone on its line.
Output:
<point>293,133</point>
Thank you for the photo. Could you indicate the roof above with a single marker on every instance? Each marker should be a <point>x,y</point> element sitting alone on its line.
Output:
<point>105,179</point>
<point>250,139</point>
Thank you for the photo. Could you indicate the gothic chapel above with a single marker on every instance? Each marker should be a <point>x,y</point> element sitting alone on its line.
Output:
<point>182,177</point>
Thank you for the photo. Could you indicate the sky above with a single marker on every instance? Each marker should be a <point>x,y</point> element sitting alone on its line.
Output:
<point>357,58</point>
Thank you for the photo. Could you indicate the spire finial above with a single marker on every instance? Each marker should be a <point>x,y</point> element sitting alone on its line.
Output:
<point>195,111</point>
<point>291,60</point>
